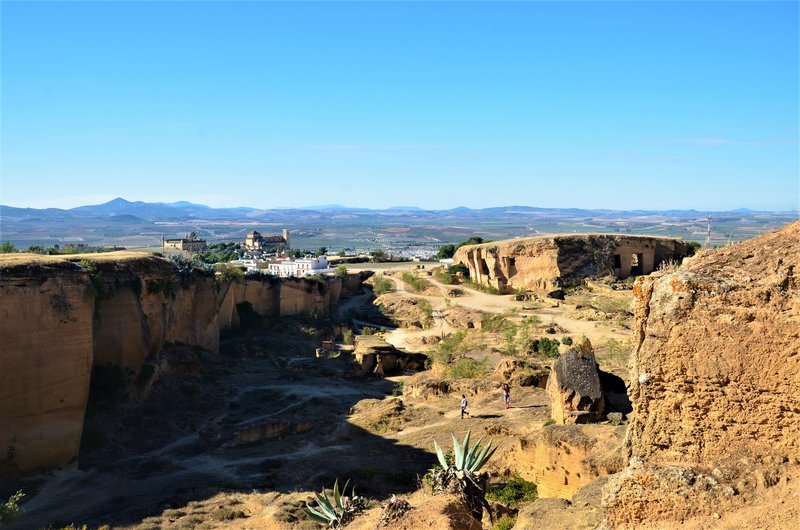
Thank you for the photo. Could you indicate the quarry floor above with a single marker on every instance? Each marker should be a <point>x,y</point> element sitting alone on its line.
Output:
<point>241,439</point>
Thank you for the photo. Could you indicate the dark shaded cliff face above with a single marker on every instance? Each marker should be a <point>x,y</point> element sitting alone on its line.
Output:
<point>59,318</point>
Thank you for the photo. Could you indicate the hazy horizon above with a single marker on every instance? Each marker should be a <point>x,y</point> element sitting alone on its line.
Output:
<point>391,207</point>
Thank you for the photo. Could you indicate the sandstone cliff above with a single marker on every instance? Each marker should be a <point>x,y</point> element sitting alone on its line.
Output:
<point>715,381</point>
<point>545,263</point>
<point>58,318</point>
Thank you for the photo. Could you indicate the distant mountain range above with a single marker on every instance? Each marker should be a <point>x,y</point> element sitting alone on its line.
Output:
<point>183,210</point>
<point>142,224</point>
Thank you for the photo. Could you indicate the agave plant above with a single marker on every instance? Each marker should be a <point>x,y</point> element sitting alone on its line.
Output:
<point>464,473</point>
<point>336,511</point>
<point>468,459</point>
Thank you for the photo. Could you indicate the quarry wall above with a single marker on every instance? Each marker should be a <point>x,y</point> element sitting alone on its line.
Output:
<point>545,263</point>
<point>60,318</point>
<point>715,379</point>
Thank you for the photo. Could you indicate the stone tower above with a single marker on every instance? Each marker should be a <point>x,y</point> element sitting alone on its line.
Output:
<point>286,238</point>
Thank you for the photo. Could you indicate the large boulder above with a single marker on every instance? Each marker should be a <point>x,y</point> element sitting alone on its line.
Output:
<point>573,387</point>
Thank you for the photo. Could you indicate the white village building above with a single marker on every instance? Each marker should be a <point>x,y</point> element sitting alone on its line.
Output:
<point>299,267</point>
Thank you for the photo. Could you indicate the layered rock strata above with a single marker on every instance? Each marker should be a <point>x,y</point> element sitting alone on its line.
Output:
<point>547,263</point>
<point>715,379</point>
<point>58,318</point>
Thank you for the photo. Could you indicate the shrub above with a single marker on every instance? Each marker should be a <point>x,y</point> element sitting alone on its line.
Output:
<point>546,347</point>
<point>496,324</point>
<point>10,508</point>
<point>416,284</point>
<point>567,341</point>
<point>229,273</point>
<point>505,523</point>
<point>366,330</point>
<point>341,272</point>
<point>446,277</point>
<point>467,368</point>
<point>488,289</point>
<point>347,336</point>
<point>549,422</point>
<point>459,267</point>
<point>228,514</point>
<point>7,248</point>
<point>514,492</point>
<point>382,285</point>
<point>427,309</point>
<point>398,389</point>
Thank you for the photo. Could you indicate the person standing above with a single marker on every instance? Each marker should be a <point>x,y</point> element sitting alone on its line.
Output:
<point>506,394</point>
<point>464,406</point>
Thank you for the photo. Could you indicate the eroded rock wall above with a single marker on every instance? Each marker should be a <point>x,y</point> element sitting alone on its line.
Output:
<point>715,381</point>
<point>59,318</point>
<point>716,364</point>
<point>46,353</point>
<point>545,263</point>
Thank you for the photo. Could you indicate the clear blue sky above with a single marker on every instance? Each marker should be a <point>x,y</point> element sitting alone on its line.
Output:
<point>610,105</point>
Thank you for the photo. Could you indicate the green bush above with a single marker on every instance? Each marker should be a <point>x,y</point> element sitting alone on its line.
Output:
<point>546,347</point>
<point>467,368</point>
<point>549,422</point>
<point>459,267</point>
<point>488,289</point>
<point>398,389</point>
<point>514,492</point>
<point>347,336</point>
<point>7,248</point>
<point>341,272</point>
<point>496,324</point>
<point>505,523</point>
<point>382,285</point>
<point>416,284</point>
<point>567,341</point>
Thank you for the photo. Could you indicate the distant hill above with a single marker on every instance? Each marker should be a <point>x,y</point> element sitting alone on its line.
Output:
<point>138,223</point>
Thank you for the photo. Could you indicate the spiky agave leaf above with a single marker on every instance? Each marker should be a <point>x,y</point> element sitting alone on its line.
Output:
<point>440,455</point>
<point>317,516</point>
<point>324,504</point>
<point>456,450</point>
<point>337,498</point>
<point>472,452</point>
<point>484,456</point>
<point>463,451</point>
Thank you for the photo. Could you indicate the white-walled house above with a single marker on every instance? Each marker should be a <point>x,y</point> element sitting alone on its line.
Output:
<point>299,267</point>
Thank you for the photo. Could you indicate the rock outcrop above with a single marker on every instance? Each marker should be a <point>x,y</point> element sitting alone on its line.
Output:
<point>547,263</point>
<point>574,387</point>
<point>561,459</point>
<point>715,379</point>
<point>59,318</point>
<point>373,355</point>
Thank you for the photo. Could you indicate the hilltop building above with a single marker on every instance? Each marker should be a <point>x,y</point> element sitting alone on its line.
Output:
<point>190,243</point>
<point>256,241</point>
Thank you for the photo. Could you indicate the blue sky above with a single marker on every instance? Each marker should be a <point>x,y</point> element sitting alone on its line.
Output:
<point>620,105</point>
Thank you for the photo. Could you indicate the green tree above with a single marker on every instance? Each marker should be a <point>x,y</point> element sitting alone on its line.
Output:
<point>322,251</point>
<point>446,251</point>
<point>7,248</point>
